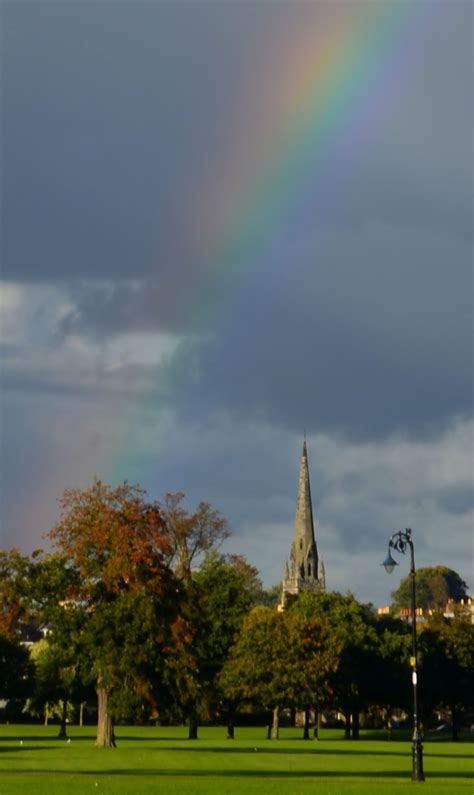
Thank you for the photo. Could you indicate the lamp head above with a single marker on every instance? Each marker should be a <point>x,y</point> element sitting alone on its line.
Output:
<point>389,563</point>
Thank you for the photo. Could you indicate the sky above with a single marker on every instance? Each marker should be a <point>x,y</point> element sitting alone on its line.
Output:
<point>226,225</point>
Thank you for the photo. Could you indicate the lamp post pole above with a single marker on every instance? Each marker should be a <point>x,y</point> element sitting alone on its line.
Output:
<point>399,542</point>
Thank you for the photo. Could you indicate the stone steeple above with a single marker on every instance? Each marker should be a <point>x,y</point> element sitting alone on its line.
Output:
<point>302,573</point>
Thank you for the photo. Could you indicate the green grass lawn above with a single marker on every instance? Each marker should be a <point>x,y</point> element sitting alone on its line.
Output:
<point>162,760</point>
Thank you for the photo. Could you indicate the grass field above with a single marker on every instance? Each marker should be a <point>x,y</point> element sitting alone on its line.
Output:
<point>162,760</point>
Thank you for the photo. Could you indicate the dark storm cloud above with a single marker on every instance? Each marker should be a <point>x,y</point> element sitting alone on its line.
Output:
<point>368,333</point>
<point>109,111</point>
<point>379,346</point>
<point>112,111</point>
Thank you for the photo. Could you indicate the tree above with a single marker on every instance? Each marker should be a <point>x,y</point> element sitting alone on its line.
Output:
<point>389,685</point>
<point>15,570</point>
<point>61,663</point>
<point>435,586</point>
<point>191,535</point>
<point>447,666</point>
<point>225,587</point>
<point>122,592</point>
<point>279,659</point>
<point>15,669</point>
<point>351,626</point>
<point>270,597</point>
<point>55,675</point>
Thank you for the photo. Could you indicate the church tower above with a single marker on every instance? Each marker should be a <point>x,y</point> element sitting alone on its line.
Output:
<point>303,572</point>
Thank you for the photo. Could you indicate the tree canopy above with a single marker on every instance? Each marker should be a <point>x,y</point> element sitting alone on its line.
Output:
<point>191,535</point>
<point>280,659</point>
<point>126,597</point>
<point>435,585</point>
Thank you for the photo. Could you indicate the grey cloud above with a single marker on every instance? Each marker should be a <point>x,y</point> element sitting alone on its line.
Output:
<point>456,499</point>
<point>109,114</point>
<point>368,354</point>
<point>100,310</point>
<point>114,114</point>
<point>368,342</point>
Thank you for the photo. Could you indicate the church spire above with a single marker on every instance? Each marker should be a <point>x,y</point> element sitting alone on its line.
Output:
<point>303,572</point>
<point>304,525</point>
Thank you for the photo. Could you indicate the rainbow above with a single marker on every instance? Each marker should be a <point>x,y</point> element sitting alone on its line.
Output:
<point>335,80</point>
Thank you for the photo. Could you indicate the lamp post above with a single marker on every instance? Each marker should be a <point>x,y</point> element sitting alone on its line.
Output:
<point>399,542</point>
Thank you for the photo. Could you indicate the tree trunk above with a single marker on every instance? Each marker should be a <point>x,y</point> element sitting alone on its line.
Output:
<point>355,725</point>
<point>293,717</point>
<point>230,731</point>
<point>347,729</point>
<point>306,724</point>
<point>454,723</point>
<point>81,714</point>
<point>62,729</point>
<point>105,729</point>
<point>275,723</point>
<point>317,722</point>
<point>193,726</point>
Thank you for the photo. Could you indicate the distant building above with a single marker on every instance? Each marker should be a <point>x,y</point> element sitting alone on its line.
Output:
<point>303,572</point>
<point>452,609</point>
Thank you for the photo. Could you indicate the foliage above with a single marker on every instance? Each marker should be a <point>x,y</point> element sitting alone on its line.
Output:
<point>351,625</point>
<point>389,667</point>
<point>191,535</point>
<point>15,669</point>
<point>280,659</point>
<point>226,588</point>
<point>15,571</point>
<point>435,585</point>
<point>219,595</point>
<point>269,597</point>
<point>122,593</point>
<point>447,666</point>
<point>114,538</point>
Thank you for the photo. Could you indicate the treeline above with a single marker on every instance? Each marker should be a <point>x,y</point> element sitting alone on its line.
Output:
<point>143,616</point>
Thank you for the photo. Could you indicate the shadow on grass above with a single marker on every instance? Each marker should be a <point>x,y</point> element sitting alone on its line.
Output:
<point>10,749</point>
<point>315,750</point>
<point>152,744</point>
<point>75,738</point>
<point>34,738</point>
<point>238,773</point>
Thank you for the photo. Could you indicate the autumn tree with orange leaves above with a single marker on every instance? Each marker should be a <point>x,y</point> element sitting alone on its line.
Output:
<point>126,593</point>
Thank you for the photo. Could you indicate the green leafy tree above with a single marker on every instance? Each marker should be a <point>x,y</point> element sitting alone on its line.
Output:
<point>435,585</point>
<point>269,597</point>
<point>447,667</point>
<point>351,626</point>
<point>55,682</point>
<point>389,684</point>
<point>62,664</point>
<point>279,659</point>
<point>224,589</point>
<point>15,671</point>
